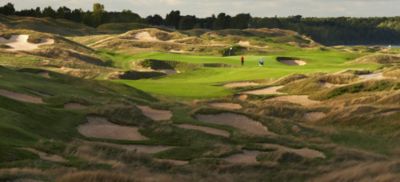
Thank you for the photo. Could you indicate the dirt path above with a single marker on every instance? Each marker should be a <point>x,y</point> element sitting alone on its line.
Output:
<point>296,99</point>
<point>20,43</point>
<point>155,114</point>
<point>240,84</point>
<point>226,105</point>
<point>74,106</point>
<point>46,156</point>
<point>207,130</point>
<point>266,91</point>
<point>98,127</point>
<point>247,157</point>
<point>21,97</point>
<point>240,122</point>
<point>304,152</point>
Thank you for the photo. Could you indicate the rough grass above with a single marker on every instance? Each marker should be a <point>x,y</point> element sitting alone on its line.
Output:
<point>96,176</point>
<point>369,86</point>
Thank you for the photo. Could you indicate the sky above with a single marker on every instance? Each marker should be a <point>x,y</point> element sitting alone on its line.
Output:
<point>259,8</point>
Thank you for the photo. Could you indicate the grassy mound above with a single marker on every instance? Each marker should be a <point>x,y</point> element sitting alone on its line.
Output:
<point>380,59</point>
<point>369,86</point>
<point>120,27</point>
<point>316,83</point>
<point>49,25</point>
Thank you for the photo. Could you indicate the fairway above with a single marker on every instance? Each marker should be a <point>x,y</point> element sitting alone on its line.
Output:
<point>207,82</point>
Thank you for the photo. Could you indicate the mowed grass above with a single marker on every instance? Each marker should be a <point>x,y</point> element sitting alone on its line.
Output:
<point>206,83</point>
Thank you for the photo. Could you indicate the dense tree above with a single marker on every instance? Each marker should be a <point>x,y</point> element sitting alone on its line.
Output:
<point>240,21</point>
<point>341,30</point>
<point>7,9</point>
<point>76,15</point>
<point>187,22</point>
<point>63,12</point>
<point>49,12</point>
<point>155,20</point>
<point>97,14</point>
<point>172,19</point>
<point>223,21</point>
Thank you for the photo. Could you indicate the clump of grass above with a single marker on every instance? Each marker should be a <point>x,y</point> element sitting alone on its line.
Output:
<point>370,86</point>
<point>337,78</point>
<point>290,79</point>
<point>96,176</point>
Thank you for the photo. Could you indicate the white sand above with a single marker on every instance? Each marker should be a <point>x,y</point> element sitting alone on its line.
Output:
<point>304,152</point>
<point>21,97</point>
<point>20,43</point>
<point>266,91</point>
<point>226,105</point>
<point>293,62</point>
<point>155,114</point>
<point>145,36</point>
<point>98,127</point>
<point>240,122</point>
<point>204,129</point>
<point>247,157</point>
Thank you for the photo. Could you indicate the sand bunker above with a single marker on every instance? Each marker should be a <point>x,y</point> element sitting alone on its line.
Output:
<point>373,76</point>
<point>240,122</point>
<point>247,157</point>
<point>21,97</point>
<point>155,114</point>
<point>314,116</point>
<point>177,51</point>
<point>20,43</point>
<point>242,97</point>
<point>145,36</point>
<point>291,61</point>
<point>98,127</point>
<point>304,152</point>
<point>296,99</point>
<point>208,130</point>
<point>167,71</point>
<point>266,91</point>
<point>244,43</point>
<point>74,106</point>
<point>240,84</point>
<point>46,156</point>
<point>226,105</point>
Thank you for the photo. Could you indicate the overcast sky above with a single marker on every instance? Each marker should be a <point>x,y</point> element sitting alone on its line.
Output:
<point>320,8</point>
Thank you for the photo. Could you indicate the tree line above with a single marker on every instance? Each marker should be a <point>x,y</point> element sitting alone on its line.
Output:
<point>341,30</point>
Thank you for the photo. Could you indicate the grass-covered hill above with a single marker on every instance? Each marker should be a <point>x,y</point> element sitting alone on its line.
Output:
<point>199,41</point>
<point>48,25</point>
